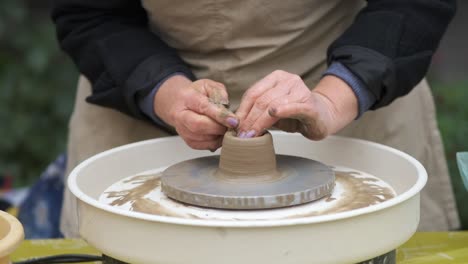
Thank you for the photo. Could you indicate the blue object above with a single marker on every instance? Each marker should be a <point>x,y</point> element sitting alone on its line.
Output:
<point>462,160</point>
<point>40,211</point>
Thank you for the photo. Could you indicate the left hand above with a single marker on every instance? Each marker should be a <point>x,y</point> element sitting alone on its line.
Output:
<point>282,99</point>
<point>196,110</point>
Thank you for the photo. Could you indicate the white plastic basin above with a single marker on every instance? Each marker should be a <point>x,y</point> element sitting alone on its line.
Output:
<point>346,237</point>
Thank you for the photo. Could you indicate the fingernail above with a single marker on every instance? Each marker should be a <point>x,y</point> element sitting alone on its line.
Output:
<point>250,134</point>
<point>232,122</point>
<point>241,134</point>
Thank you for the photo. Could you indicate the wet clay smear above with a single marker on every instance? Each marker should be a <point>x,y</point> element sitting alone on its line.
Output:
<point>359,192</point>
<point>144,185</point>
<point>353,190</point>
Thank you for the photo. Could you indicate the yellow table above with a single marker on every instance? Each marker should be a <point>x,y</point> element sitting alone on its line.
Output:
<point>423,247</point>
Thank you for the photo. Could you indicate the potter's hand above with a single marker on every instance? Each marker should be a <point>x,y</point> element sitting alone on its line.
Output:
<point>195,110</point>
<point>281,99</point>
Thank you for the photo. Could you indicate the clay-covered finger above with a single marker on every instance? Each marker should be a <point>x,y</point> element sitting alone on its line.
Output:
<point>201,124</point>
<point>266,120</point>
<point>217,93</point>
<point>217,112</point>
<point>309,123</point>
<point>291,110</point>
<point>263,123</point>
<point>211,145</point>
<point>288,125</point>
<point>254,92</point>
<point>185,133</point>
<point>260,108</point>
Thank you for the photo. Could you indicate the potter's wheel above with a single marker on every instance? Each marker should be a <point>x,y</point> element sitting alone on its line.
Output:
<point>248,175</point>
<point>142,193</point>
<point>192,234</point>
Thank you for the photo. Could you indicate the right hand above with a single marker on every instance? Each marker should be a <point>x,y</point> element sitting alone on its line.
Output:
<point>196,110</point>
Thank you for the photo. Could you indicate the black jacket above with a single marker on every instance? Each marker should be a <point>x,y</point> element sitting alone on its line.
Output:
<point>389,47</point>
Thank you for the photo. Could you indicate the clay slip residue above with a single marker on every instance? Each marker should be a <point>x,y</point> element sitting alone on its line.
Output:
<point>359,192</point>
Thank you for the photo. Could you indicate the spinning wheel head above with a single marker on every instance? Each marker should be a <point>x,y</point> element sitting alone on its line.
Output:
<point>248,175</point>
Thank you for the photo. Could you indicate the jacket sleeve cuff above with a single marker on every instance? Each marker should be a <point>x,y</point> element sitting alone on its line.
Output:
<point>130,75</point>
<point>145,103</point>
<point>365,98</point>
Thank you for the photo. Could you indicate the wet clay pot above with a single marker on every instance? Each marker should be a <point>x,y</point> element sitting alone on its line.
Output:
<point>248,175</point>
<point>247,157</point>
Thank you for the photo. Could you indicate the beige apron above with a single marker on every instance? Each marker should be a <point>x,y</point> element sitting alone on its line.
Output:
<point>239,42</point>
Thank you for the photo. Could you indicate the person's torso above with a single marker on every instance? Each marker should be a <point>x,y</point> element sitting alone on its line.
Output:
<point>239,42</point>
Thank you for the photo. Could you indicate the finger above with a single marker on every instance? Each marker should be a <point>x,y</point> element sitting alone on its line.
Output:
<point>200,104</point>
<point>217,93</point>
<point>296,110</point>
<point>266,120</point>
<point>262,104</point>
<point>309,124</point>
<point>263,123</point>
<point>288,125</point>
<point>201,145</point>
<point>185,133</point>
<point>201,124</point>
<point>252,94</point>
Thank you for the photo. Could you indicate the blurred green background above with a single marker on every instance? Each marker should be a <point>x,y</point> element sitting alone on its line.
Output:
<point>37,87</point>
<point>36,91</point>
